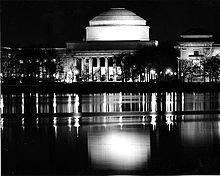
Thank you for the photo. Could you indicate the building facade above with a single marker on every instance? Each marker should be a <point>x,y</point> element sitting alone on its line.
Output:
<point>199,57</point>
<point>109,35</point>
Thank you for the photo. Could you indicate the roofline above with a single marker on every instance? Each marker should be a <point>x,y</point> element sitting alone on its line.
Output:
<point>196,36</point>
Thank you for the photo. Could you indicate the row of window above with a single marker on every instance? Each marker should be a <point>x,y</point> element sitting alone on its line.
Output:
<point>102,62</point>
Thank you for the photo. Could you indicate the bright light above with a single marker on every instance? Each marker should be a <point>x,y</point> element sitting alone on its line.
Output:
<point>109,33</point>
<point>168,71</point>
<point>169,121</point>
<point>152,71</point>
<point>119,150</point>
<point>76,71</point>
<point>153,122</point>
<point>77,125</point>
<point>154,102</point>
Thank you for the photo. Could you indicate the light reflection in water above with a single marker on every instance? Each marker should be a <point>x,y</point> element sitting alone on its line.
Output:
<point>169,121</point>
<point>153,103</point>
<point>22,123</point>
<point>37,122</point>
<point>197,133</point>
<point>54,103</point>
<point>1,123</point>
<point>22,104</point>
<point>129,149</point>
<point>119,150</point>
<point>1,104</point>
<point>153,122</point>
<point>37,103</point>
<point>109,102</point>
<point>77,125</point>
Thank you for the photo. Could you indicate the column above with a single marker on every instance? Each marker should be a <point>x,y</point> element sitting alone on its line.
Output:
<point>106,68</point>
<point>74,71</point>
<point>99,67</point>
<point>114,69</point>
<point>90,69</point>
<point>82,64</point>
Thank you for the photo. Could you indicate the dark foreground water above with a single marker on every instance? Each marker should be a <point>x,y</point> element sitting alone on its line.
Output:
<point>153,133</point>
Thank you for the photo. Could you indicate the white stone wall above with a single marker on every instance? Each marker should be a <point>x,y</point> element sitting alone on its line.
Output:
<point>113,33</point>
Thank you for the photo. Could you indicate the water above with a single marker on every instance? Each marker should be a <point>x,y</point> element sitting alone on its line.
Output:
<point>143,133</point>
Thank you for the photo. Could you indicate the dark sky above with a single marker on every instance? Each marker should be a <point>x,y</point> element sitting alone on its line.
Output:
<point>27,23</point>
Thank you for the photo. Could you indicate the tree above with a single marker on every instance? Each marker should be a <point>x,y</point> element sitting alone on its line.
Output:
<point>186,69</point>
<point>212,68</point>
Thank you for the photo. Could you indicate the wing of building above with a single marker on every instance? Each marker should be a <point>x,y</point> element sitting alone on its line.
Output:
<point>197,53</point>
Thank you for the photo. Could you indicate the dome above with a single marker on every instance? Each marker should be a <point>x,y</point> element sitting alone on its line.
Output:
<point>117,24</point>
<point>117,16</point>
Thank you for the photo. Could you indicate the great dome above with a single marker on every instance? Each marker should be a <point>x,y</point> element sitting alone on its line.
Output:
<point>117,16</point>
<point>117,24</point>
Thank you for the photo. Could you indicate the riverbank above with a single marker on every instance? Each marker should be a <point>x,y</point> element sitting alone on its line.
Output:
<point>112,87</point>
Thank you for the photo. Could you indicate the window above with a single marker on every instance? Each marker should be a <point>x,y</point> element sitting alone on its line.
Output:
<point>110,62</point>
<point>196,53</point>
<point>102,61</point>
<point>94,63</point>
<point>118,62</point>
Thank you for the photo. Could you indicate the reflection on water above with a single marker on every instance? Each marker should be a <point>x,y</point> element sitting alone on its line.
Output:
<point>117,102</point>
<point>36,139</point>
<point>117,149</point>
<point>113,145</point>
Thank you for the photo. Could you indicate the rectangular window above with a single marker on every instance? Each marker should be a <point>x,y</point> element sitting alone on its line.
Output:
<point>196,53</point>
<point>94,62</point>
<point>118,62</point>
<point>102,62</point>
<point>110,62</point>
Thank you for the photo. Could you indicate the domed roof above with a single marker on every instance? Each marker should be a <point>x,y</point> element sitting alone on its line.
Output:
<point>117,16</point>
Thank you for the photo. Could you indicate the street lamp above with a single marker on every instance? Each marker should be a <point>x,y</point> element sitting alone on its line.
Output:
<point>169,71</point>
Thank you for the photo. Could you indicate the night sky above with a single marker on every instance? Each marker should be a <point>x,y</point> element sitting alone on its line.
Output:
<point>28,23</point>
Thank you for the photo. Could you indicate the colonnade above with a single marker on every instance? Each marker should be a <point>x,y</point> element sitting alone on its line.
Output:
<point>96,68</point>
